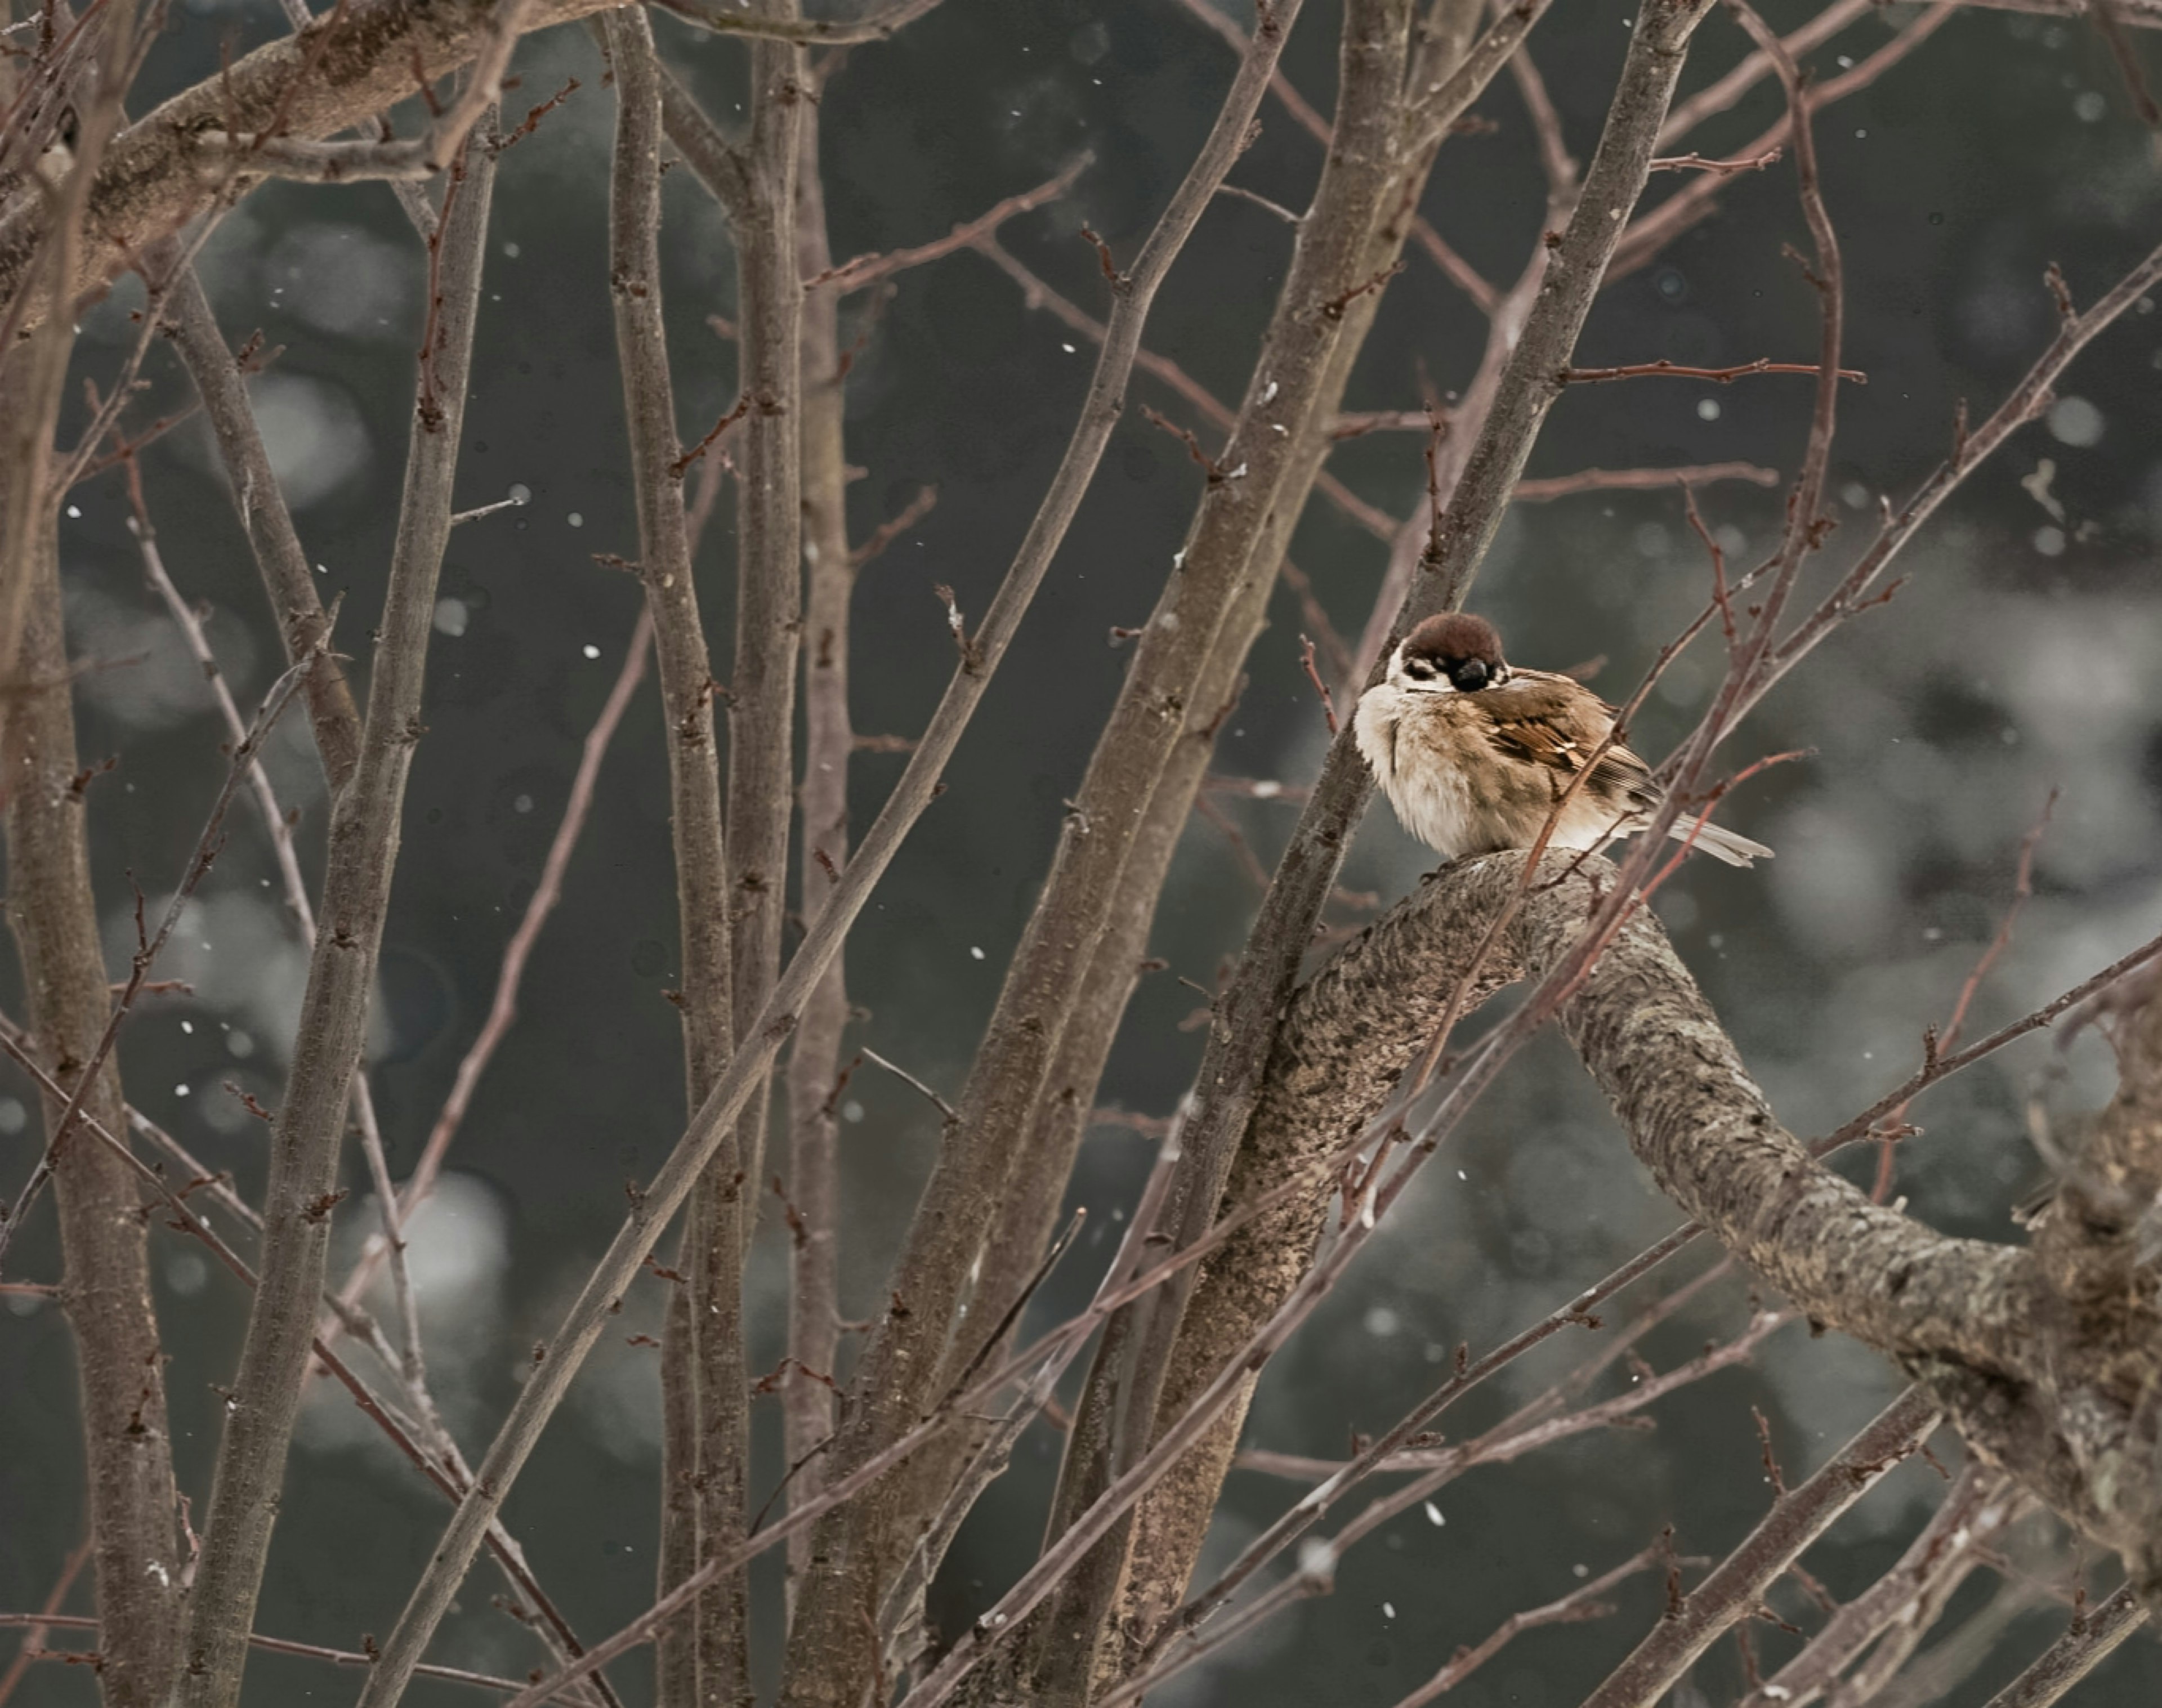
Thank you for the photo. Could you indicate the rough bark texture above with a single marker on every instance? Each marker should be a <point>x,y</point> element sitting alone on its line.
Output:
<point>2040,1378</point>
<point>363,847</point>
<point>105,1286</point>
<point>705,1404</point>
<point>761,694</point>
<point>828,739</point>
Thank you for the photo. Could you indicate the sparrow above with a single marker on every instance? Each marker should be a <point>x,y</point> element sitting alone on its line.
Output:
<point>1475,753</point>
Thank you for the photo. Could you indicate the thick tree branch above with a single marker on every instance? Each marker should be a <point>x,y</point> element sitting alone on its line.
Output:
<point>105,1265</point>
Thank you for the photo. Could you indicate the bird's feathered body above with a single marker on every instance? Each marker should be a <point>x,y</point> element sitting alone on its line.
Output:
<point>1479,768</point>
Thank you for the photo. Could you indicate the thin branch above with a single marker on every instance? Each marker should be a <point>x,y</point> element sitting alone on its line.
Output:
<point>910,1080</point>
<point>268,1645</point>
<point>1552,486</point>
<point>1581,1604</point>
<point>1934,1042</point>
<point>1723,169</point>
<point>280,831</point>
<point>478,511</point>
<point>220,380</point>
<point>814,1076</point>
<point>1037,295</point>
<point>1180,1640</point>
<point>869,270</point>
<point>1650,232</point>
<point>510,973</point>
<point>1723,93</point>
<point>2094,1637</point>
<point>877,25</point>
<point>1719,376</point>
<point>2112,28</point>
<point>1973,1514</point>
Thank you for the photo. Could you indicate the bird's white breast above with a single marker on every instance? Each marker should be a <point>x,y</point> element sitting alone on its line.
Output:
<point>1428,794</point>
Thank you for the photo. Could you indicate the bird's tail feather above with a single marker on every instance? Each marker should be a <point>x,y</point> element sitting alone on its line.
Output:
<point>1718,842</point>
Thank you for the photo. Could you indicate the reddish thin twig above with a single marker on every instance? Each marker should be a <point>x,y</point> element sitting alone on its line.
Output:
<point>503,1008</point>
<point>880,537</point>
<point>855,273</point>
<point>1539,492</point>
<point>36,1623</point>
<point>1314,675</point>
<point>1724,169</point>
<point>1580,1604</point>
<point>1663,369</point>
<point>682,465</point>
<point>1935,1042</point>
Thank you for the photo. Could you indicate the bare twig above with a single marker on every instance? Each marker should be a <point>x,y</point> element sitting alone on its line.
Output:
<point>1543,491</point>
<point>875,25</point>
<point>220,380</point>
<point>1935,1041</point>
<point>1719,376</point>
<point>2106,21</point>
<point>1723,169</point>
<point>855,273</point>
<point>269,1645</point>
<point>1650,232</point>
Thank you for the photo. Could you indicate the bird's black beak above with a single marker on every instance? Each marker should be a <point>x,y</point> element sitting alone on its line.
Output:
<point>1470,675</point>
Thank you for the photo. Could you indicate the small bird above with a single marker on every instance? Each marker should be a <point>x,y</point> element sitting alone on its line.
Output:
<point>1475,753</point>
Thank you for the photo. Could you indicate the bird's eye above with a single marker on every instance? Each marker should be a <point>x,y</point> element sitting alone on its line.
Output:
<point>1470,675</point>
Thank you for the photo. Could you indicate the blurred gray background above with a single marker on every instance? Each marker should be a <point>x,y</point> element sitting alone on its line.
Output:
<point>2019,657</point>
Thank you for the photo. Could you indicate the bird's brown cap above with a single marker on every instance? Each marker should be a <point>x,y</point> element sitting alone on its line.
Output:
<point>1455,638</point>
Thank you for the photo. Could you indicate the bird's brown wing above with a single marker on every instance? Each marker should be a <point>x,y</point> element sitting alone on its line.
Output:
<point>1558,724</point>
